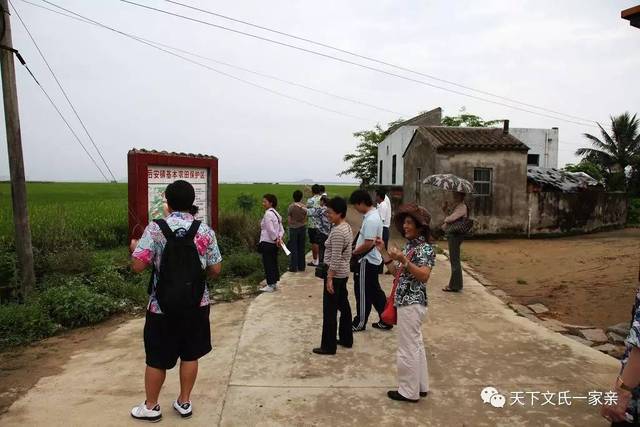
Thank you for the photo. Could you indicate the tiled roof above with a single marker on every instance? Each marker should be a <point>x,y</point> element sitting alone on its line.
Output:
<point>459,138</point>
<point>172,153</point>
<point>564,181</point>
<point>428,118</point>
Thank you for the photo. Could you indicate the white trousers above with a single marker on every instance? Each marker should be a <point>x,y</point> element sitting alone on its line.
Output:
<point>413,376</point>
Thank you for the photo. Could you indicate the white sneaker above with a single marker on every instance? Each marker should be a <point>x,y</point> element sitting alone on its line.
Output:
<point>141,412</point>
<point>267,288</point>
<point>184,409</point>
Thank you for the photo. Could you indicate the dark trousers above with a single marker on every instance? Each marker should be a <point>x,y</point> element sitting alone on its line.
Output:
<point>270,262</point>
<point>297,240</point>
<point>322,239</point>
<point>367,292</point>
<point>331,304</point>
<point>455,241</point>
<point>385,237</point>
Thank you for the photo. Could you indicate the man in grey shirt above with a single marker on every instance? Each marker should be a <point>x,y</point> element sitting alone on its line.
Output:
<point>367,286</point>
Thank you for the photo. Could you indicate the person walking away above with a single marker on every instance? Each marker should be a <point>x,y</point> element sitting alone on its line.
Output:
<point>367,263</point>
<point>384,208</point>
<point>626,410</point>
<point>412,267</point>
<point>297,218</point>
<point>460,211</point>
<point>335,294</point>
<point>178,248</point>
<point>271,233</point>
<point>324,226</point>
<point>312,204</point>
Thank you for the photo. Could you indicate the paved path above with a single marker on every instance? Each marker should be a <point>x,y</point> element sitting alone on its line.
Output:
<point>262,371</point>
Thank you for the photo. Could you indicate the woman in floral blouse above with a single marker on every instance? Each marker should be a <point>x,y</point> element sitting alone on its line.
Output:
<point>627,386</point>
<point>412,267</point>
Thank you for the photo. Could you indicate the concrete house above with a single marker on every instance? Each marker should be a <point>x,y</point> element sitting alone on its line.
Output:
<point>542,143</point>
<point>491,158</point>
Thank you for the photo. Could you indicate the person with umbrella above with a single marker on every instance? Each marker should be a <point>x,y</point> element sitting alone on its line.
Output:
<point>456,224</point>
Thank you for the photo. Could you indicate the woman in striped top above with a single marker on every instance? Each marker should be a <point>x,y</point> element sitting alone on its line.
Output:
<point>335,295</point>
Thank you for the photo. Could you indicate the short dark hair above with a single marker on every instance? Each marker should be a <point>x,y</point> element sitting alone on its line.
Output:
<point>360,196</point>
<point>180,196</point>
<point>322,189</point>
<point>338,205</point>
<point>297,196</point>
<point>315,189</point>
<point>272,199</point>
<point>381,192</point>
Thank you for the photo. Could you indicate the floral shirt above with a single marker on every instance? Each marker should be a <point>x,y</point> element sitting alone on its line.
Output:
<point>152,242</point>
<point>409,290</point>
<point>633,340</point>
<point>312,204</point>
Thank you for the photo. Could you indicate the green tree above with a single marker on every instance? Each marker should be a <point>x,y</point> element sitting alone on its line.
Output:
<point>467,120</point>
<point>364,161</point>
<point>590,168</point>
<point>616,153</point>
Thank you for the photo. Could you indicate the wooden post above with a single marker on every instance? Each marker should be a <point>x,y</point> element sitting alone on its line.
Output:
<point>24,248</point>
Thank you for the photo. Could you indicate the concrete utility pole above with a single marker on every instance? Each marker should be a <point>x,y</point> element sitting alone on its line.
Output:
<point>24,248</point>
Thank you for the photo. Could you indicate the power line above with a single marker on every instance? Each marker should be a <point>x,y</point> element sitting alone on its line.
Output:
<point>313,52</point>
<point>64,92</point>
<point>231,76</point>
<point>368,58</point>
<point>237,67</point>
<point>53,104</point>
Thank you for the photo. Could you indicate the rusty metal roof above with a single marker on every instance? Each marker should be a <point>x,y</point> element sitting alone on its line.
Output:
<point>469,138</point>
<point>567,182</point>
<point>170,153</point>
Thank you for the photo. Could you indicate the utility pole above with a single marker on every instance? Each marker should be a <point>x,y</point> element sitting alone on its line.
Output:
<point>24,248</point>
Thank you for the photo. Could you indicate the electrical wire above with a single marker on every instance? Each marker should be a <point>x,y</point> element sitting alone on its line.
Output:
<point>368,58</point>
<point>313,52</point>
<point>64,92</point>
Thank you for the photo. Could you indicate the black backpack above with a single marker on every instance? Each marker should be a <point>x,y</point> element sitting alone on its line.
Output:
<point>181,279</point>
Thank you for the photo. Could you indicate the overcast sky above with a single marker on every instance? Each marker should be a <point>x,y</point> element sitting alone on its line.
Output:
<point>576,57</point>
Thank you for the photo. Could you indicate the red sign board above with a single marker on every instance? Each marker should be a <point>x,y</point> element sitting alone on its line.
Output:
<point>151,171</point>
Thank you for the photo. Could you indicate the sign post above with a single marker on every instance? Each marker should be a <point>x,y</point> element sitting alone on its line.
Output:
<point>149,174</point>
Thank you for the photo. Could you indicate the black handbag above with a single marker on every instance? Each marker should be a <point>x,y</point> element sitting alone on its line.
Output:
<point>461,226</point>
<point>321,270</point>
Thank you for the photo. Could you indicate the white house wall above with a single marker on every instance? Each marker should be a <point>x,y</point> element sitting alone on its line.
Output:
<point>395,143</point>
<point>543,142</point>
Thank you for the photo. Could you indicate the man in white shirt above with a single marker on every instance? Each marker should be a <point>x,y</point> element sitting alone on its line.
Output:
<point>384,208</point>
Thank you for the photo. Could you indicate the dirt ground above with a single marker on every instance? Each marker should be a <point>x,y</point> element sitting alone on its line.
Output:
<point>584,280</point>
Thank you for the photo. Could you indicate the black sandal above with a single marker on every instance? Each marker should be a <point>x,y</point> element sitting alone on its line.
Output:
<point>448,289</point>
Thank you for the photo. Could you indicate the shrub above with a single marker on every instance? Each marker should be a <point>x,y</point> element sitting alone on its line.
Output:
<point>239,230</point>
<point>246,202</point>
<point>70,258</point>
<point>108,281</point>
<point>23,323</point>
<point>8,274</point>
<point>75,304</point>
<point>241,264</point>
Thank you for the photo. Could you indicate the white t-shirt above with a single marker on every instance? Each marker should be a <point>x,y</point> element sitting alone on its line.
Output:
<point>370,230</point>
<point>384,209</point>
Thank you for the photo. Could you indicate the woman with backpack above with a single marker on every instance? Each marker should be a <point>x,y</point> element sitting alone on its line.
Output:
<point>271,233</point>
<point>460,212</point>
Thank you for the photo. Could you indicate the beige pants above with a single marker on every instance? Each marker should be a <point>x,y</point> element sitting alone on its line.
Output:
<point>413,376</point>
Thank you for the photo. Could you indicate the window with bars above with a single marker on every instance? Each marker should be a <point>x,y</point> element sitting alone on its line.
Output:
<point>482,181</point>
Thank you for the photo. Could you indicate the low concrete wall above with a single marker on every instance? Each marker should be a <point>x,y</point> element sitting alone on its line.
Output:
<point>576,212</point>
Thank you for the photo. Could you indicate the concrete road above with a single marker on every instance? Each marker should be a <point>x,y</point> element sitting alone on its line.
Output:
<point>262,371</point>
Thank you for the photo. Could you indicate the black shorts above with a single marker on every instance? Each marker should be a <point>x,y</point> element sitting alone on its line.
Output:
<point>313,235</point>
<point>167,338</point>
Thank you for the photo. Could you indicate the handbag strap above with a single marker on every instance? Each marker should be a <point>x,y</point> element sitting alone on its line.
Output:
<point>400,270</point>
